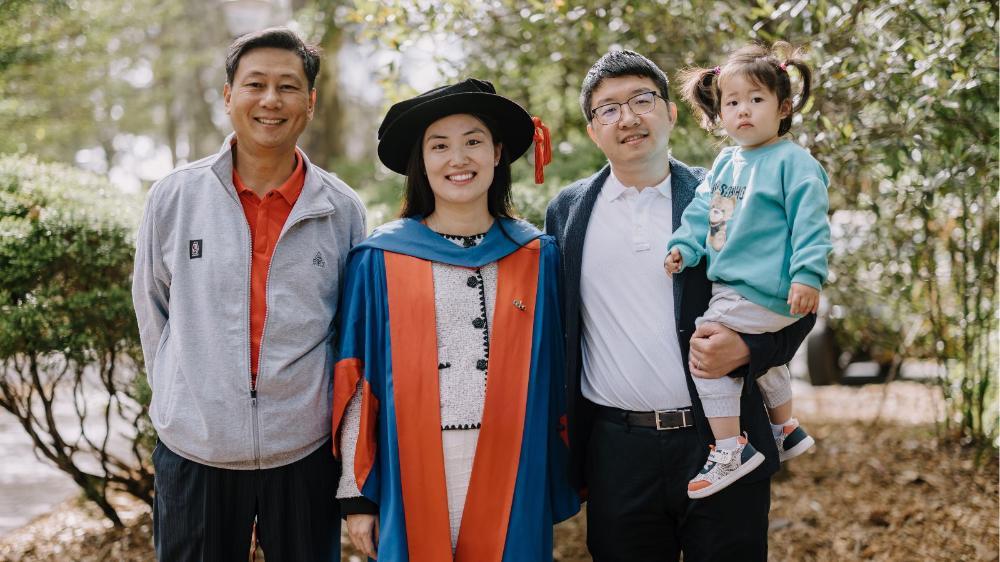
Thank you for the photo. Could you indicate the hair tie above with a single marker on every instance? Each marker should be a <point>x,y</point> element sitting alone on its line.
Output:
<point>543,149</point>
<point>717,70</point>
<point>784,66</point>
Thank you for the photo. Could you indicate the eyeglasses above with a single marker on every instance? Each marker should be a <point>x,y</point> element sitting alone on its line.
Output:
<point>611,113</point>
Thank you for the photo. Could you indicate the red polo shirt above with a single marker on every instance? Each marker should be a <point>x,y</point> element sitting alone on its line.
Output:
<point>266,218</point>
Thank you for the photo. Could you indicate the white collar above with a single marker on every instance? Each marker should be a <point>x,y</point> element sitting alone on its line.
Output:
<point>614,188</point>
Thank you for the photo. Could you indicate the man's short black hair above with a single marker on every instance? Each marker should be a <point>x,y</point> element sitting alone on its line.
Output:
<point>277,38</point>
<point>619,63</point>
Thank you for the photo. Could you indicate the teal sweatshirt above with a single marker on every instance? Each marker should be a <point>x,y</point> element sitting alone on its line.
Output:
<point>760,216</point>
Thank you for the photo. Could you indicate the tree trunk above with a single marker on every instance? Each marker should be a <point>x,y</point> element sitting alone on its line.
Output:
<point>324,138</point>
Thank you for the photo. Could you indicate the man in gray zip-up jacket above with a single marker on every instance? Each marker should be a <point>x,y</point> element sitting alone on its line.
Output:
<point>244,440</point>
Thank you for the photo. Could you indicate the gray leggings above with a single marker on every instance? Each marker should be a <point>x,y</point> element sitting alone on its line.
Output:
<point>721,397</point>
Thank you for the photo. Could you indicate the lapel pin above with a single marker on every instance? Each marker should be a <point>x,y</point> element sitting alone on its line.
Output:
<point>519,305</point>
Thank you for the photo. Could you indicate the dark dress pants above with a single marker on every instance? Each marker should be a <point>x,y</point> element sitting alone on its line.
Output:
<point>638,509</point>
<point>205,513</point>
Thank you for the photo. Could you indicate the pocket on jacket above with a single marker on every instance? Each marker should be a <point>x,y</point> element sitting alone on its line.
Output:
<point>160,347</point>
<point>163,384</point>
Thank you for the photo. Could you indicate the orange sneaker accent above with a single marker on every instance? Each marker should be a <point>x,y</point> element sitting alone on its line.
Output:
<point>698,485</point>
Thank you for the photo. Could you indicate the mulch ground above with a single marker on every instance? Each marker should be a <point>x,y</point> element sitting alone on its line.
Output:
<point>885,492</point>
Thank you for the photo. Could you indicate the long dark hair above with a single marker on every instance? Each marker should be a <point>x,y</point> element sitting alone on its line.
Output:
<point>418,199</point>
<point>767,67</point>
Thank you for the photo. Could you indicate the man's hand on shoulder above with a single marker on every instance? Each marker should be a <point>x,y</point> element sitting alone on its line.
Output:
<point>716,351</point>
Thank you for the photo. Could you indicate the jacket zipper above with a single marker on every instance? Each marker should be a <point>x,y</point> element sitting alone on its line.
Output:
<point>253,386</point>
<point>256,429</point>
<point>260,352</point>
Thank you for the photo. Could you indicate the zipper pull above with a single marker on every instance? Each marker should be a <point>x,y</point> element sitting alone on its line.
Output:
<point>253,396</point>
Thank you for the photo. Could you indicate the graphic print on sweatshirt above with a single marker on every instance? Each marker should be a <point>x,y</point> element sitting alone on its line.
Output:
<point>725,198</point>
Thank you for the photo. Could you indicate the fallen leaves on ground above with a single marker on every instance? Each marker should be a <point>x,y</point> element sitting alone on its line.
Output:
<point>888,493</point>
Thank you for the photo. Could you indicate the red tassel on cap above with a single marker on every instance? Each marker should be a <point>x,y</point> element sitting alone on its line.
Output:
<point>543,148</point>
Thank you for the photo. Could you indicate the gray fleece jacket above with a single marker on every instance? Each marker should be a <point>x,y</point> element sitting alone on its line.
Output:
<point>191,289</point>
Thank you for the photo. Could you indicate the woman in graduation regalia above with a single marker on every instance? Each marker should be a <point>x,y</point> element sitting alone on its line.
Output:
<point>448,395</point>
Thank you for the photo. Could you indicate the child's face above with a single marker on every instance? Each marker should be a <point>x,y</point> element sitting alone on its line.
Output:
<point>751,113</point>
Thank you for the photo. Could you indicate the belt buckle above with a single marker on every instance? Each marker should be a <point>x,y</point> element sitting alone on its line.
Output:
<point>660,427</point>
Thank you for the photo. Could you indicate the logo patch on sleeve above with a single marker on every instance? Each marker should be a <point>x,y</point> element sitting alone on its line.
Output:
<point>195,248</point>
<point>318,260</point>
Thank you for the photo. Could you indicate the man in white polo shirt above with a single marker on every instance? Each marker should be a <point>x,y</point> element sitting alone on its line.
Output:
<point>637,430</point>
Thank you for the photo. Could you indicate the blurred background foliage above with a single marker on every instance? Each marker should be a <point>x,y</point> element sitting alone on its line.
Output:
<point>904,118</point>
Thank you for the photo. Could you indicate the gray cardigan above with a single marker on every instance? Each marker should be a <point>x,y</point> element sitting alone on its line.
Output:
<point>567,218</point>
<point>191,289</point>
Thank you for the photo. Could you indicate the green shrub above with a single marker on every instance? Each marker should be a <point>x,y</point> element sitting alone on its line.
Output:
<point>67,327</point>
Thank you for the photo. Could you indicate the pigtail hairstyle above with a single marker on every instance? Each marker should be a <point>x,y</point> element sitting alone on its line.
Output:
<point>765,66</point>
<point>794,58</point>
<point>700,89</point>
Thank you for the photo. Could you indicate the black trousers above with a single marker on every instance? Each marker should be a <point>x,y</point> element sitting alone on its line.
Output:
<point>205,513</point>
<point>638,509</point>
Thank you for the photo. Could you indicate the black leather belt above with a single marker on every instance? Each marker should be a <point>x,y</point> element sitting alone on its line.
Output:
<point>660,420</point>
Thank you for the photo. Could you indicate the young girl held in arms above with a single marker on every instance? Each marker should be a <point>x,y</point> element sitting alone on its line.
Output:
<point>759,218</point>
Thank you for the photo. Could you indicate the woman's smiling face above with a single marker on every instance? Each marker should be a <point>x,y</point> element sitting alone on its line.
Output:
<point>459,157</point>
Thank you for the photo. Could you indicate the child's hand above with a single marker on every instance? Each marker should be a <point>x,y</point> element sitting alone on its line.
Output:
<point>673,262</point>
<point>803,299</point>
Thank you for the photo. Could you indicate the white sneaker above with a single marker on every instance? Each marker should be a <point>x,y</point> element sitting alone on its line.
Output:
<point>793,441</point>
<point>723,468</point>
